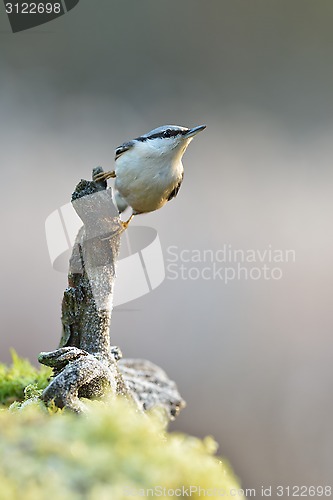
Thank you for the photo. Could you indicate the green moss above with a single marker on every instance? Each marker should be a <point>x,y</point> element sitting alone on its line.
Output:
<point>113,453</point>
<point>15,378</point>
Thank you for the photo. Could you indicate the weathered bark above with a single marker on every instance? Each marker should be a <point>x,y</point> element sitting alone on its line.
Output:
<point>85,365</point>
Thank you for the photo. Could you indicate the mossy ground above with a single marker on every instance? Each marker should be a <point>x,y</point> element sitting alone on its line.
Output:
<point>113,453</point>
<point>15,378</point>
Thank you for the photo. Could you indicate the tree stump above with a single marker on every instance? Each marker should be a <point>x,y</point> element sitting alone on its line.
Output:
<point>86,365</point>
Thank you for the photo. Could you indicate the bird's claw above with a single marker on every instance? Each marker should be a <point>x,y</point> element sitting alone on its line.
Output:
<point>125,224</point>
<point>103,176</point>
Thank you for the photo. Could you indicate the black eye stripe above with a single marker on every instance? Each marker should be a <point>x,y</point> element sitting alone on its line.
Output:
<point>165,134</point>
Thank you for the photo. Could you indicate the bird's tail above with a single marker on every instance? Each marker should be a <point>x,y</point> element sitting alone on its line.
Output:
<point>120,202</point>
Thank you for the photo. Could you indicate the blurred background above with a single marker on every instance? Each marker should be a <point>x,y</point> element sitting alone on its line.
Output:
<point>252,358</point>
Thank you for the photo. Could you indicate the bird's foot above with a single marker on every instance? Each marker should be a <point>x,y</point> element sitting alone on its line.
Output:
<point>103,176</point>
<point>126,223</point>
<point>123,226</point>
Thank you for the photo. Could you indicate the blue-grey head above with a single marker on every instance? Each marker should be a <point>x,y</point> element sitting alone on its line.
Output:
<point>164,140</point>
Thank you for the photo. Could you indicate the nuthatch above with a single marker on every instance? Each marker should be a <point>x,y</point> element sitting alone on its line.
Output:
<point>149,169</point>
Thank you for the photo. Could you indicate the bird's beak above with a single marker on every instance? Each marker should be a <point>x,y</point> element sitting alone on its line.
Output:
<point>194,131</point>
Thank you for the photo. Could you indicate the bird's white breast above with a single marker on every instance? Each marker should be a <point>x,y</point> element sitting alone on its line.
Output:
<point>145,176</point>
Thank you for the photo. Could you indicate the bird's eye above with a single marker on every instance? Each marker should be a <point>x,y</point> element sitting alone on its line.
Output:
<point>167,133</point>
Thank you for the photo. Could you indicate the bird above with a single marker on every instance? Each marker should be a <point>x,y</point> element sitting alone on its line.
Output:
<point>149,170</point>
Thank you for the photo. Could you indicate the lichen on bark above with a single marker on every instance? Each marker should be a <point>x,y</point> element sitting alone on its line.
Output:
<point>86,365</point>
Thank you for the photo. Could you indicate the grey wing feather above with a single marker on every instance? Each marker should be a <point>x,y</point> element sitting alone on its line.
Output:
<point>175,190</point>
<point>124,147</point>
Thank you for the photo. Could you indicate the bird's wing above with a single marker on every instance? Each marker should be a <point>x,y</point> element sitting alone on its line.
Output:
<point>124,147</point>
<point>175,190</point>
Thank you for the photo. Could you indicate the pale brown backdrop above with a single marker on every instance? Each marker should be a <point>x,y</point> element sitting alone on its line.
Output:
<point>253,358</point>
